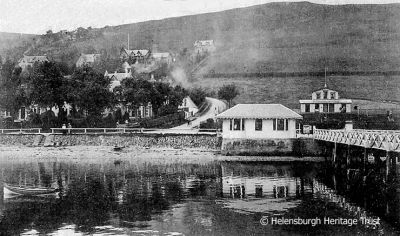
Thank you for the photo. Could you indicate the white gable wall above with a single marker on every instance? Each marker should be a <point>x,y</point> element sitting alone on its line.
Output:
<point>250,133</point>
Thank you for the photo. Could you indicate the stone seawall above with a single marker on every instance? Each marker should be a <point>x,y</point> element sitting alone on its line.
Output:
<point>200,141</point>
<point>271,147</point>
<point>17,139</point>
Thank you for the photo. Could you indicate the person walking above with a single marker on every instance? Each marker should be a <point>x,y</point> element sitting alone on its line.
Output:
<point>69,128</point>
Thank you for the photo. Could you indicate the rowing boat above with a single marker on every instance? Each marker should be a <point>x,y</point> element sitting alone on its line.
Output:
<point>26,190</point>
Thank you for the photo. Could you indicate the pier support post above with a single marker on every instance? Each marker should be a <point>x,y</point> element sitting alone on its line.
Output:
<point>387,164</point>
<point>334,154</point>
<point>365,159</point>
<point>348,155</point>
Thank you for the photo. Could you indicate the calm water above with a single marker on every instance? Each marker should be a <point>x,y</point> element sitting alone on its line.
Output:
<point>209,198</point>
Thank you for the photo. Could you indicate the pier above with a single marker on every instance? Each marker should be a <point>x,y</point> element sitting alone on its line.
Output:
<point>387,140</point>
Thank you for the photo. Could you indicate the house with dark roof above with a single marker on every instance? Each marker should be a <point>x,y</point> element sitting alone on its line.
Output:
<point>136,55</point>
<point>31,60</point>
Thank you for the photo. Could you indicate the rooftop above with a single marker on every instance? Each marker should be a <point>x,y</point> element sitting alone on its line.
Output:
<point>259,111</point>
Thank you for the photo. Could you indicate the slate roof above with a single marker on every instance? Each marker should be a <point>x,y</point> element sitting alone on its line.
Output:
<point>33,59</point>
<point>137,52</point>
<point>259,111</point>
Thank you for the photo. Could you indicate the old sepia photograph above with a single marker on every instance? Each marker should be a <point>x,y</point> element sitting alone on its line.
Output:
<point>199,117</point>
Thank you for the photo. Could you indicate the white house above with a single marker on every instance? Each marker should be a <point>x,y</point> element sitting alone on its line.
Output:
<point>259,121</point>
<point>162,57</point>
<point>325,101</point>
<point>204,46</point>
<point>189,107</point>
<point>87,60</point>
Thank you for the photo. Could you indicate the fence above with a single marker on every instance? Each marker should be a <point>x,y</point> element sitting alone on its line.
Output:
<point>129,130</point>
<point>33,130</point>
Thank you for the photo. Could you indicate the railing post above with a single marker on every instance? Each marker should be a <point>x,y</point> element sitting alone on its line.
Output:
<point>85,130</point>
<point>52,130</point>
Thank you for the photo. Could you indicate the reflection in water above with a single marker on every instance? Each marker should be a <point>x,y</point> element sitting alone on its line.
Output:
<point>220,198</point>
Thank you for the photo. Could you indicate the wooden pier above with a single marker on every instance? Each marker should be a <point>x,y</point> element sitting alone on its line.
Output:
<point>387,140</point>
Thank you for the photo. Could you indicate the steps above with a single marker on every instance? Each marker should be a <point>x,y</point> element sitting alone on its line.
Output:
<point>48,141</point>
<point>39,140</point>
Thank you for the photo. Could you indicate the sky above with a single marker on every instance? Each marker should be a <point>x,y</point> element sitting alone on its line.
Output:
<point>38,16</point>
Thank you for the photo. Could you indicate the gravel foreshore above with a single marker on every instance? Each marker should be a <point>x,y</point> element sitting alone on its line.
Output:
<point>103,153</point>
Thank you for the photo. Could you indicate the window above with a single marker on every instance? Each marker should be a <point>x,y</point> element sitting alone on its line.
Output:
<point>307,107</point>
<point>325,107</point>
<point>22,113</point>
<point>325,95</point>
<point>331,107</point>
<point>287,124</point>
<point>316,107</point>
<point>317,95</point>
<point>332,95</point>
<point>343,108</point>
<point>236,124</point>
<point>279,124</point>
<point>258,124</point>
<point>259,190</point>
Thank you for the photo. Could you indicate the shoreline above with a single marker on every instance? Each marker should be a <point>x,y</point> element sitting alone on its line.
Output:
<point>82,153</point>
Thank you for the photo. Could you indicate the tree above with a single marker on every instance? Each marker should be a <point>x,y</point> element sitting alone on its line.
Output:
<point>12,91</point>
<point>47,83</point>
<point>92,91</point>
<point>198,95</point>
<point>228,92</point>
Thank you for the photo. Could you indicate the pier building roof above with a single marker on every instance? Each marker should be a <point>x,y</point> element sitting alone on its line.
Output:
<point>259,111</point>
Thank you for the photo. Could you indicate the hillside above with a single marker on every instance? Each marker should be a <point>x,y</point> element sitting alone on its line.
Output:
<point>12,44</point>
<point>274,37</point>
<point>369,92</point>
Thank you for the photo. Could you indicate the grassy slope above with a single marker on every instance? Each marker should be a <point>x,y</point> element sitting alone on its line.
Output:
<point>275,37</point>
<point>289,90</point>
<point>287,37</point>
<point>13,44</point>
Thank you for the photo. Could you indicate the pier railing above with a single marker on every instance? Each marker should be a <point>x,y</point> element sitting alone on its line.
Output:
<point>388,140</point>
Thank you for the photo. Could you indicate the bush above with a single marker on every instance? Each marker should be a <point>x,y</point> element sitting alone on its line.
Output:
<point>109,122</point>
<point>211,124</point>
<point>164,121</point>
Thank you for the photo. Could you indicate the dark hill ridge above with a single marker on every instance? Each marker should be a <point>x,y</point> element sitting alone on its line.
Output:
<point>274,37</point>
